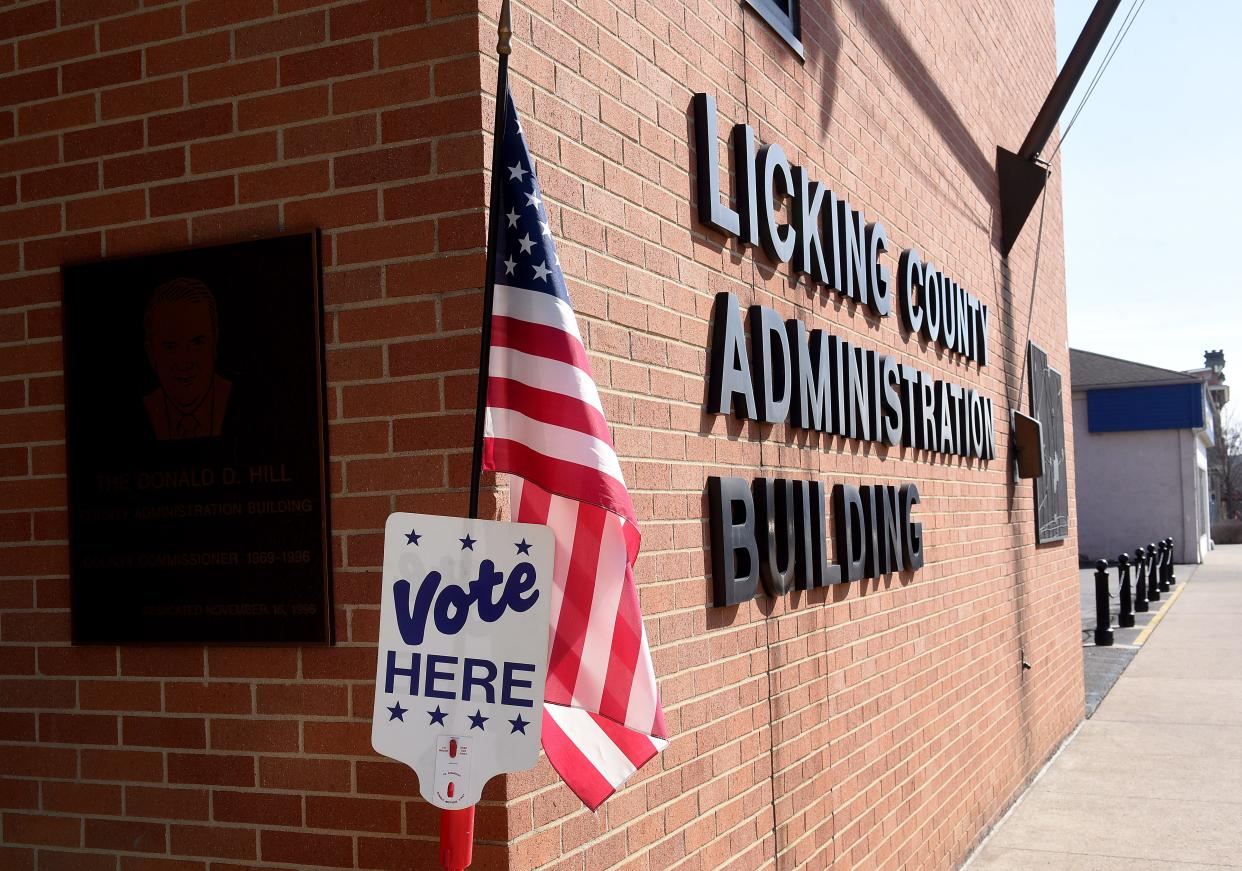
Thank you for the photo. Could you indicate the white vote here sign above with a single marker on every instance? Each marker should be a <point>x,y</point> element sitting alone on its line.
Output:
<point>463,650</point>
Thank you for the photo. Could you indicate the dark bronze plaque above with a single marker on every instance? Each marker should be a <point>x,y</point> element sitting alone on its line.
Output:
<point>194,397</point>
<point>1051,488</point>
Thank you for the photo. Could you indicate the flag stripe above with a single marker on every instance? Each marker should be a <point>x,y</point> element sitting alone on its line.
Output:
<point>598,755</point>
<point>550,375</point>
<point>644,704</point>
<point>565,656</point>
<point>636,747</point>
<point>579,773</point>
<point>532,503</point>
<point>558,442</point>
<point>535,307</point>
<point>622,657</point>
<point>597,745</point>
<point>600,642</point>
<point>547,407</point>
<point>566,477</point>
<point>563,518</point>
<point>538,340</point>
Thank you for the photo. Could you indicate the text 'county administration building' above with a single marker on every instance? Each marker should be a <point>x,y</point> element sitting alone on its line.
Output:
<point>257,231</point>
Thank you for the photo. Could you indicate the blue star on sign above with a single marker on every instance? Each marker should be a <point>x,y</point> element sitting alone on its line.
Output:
<point>396,712</point>
<point>437,717</point>
<point>477,720</point>
<point>412,537</point>
<point>518,724</point>
<point>523,547</point>
<point>467,543</point>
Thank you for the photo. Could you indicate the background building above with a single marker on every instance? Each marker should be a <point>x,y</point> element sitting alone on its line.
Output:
<point>878,724</point>
<point>1142,436</point>
<point>1224,474</point>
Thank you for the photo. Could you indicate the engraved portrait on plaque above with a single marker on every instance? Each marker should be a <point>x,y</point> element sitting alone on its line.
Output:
<point>195,441</point>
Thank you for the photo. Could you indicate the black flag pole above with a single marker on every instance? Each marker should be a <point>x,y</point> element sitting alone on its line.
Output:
<point>457,826</point>
<point>504,32</point>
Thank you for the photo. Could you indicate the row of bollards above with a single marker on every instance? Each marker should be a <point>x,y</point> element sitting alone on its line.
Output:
<point>1153,567</point>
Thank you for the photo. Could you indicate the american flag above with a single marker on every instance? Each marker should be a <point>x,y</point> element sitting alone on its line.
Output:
<point>545,425</point>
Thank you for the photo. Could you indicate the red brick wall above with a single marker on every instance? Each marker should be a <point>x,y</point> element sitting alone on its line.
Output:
<point>878,724</point>
<point>124,129</point>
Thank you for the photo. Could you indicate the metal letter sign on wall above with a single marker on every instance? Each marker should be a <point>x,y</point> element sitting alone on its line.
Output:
<point>463,650</point>
<point>1051,488</point>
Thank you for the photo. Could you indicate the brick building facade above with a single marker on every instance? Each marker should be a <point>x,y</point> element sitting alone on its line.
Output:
<point>875,724</point>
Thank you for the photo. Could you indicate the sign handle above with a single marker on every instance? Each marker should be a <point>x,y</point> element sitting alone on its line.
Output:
<point>456,838</point>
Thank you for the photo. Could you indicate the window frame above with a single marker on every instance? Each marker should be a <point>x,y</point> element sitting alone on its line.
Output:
<point>787,26</point>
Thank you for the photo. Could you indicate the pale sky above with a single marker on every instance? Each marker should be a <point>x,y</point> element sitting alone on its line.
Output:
<point>1152,186</point>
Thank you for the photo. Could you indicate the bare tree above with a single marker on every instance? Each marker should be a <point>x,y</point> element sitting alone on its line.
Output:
<point>1226,467</point>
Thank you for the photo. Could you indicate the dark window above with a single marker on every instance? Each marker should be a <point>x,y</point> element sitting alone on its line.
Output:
<point>781,16</point>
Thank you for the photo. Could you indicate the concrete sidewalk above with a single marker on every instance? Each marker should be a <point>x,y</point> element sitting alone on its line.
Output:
<point>1154,779</point>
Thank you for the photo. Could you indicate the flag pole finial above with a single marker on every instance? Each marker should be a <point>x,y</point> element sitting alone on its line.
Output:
<point>504,30</point>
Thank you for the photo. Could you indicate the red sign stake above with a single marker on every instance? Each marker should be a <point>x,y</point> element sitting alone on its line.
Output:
<point>456,838</point>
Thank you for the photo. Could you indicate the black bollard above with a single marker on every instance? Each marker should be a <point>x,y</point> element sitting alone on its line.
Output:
<point>1153,585</point>
<point>1103,625</point>
<point>1169,561</point>
<point>1153,573</point>
<point>1125,614</point>
<point>1163,571</point>
<point>1140,580</point>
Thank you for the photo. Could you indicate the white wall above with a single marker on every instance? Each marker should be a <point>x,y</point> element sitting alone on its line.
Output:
<point>1133,488</point>
<point>1202,509</point>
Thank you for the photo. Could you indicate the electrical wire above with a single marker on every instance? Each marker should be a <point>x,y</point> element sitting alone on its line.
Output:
<point>1131,16</point>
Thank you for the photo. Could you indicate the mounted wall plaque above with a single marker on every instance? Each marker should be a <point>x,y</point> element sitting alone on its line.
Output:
<point>1051,488</point>
<point>195,437</point>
